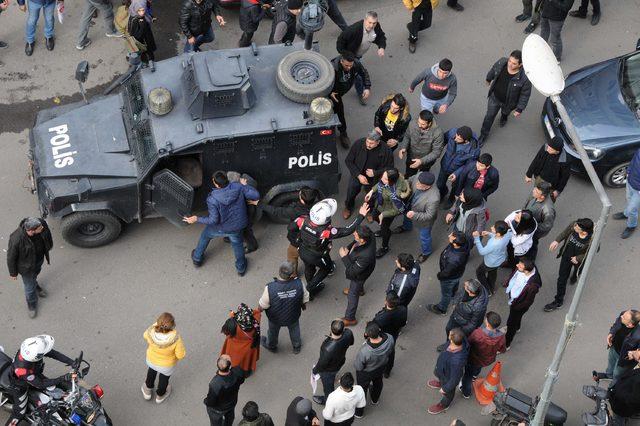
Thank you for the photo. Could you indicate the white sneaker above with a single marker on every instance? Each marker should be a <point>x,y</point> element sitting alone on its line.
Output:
<point>146,392</point>
<point>160,399</point>
<point>115,34</point>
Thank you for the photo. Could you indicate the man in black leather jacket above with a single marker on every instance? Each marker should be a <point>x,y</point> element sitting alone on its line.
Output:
<point>470,309</point>
<point>195,22</point>
<point>332,357</point>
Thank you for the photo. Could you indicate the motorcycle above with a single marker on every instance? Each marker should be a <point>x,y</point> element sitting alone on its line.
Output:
<point>601,415</point>
<point>74,404</point>
<point>513,407</point>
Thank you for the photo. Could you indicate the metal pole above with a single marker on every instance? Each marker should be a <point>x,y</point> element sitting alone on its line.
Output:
<point>571,317</point>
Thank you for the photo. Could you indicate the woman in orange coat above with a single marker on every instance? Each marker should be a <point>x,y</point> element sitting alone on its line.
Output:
<point>242,343</point>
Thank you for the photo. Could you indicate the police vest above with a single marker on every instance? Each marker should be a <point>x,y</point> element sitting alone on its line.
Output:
<point>315,238</point>
<point>282,14</point>
<point>23,371</point>
<point>285,301</point>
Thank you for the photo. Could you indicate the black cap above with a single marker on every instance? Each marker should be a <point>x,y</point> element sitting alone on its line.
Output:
<point>426,178</point>
<point>556,143</point>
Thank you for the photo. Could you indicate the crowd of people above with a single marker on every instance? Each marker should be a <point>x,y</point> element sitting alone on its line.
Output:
<point>412,197</point>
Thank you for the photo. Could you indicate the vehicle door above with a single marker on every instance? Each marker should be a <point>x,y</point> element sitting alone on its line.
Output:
<point>171,196</point>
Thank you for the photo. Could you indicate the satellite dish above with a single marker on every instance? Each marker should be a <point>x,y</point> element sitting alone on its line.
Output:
<point>541,66</point>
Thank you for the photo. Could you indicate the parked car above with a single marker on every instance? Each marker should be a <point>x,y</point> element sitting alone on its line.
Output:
<point>603,102</point>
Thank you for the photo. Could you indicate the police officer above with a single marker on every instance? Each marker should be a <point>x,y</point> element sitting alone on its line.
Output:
<point>27,370</point>
<point>314,234</point>
<point>283,26</point>
<point>283,299</point>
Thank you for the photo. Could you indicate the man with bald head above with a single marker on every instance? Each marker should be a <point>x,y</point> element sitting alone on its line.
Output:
<point>223,392</point>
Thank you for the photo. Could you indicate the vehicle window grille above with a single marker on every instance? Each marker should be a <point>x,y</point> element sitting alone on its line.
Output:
<point>173,188</point>
<point>143,144</point>
<point>224,147</point>
<point>263,143</point>
<point>223,100</point>
<point>134,98</point>
<point>300,138</point>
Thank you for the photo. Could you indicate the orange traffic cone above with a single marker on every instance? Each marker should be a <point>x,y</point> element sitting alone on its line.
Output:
<point>485,389</point>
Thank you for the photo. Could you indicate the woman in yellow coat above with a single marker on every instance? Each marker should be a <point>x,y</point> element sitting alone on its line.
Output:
<point>165,349</point>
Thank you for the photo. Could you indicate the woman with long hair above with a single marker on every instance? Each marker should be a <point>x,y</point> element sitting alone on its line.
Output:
<point>523,225</point>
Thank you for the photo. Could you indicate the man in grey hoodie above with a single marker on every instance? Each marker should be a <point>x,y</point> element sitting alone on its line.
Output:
<point>440,87</point>
<point>371,362</point>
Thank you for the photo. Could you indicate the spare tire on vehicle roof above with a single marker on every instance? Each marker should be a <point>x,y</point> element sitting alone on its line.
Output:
<point>304,75</point>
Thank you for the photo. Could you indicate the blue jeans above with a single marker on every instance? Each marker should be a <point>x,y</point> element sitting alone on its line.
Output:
<point>448,289</point>
<point>34,15</point>
<point>470,372</point>
<point>206,37</point>
<point>633,203</point>
<point>274,331</point>
<point>209,234</point>
<point>30,281</point>
<point>425,235</point>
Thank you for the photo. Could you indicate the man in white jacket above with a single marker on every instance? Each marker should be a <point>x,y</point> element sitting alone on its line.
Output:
<point>343,403</point>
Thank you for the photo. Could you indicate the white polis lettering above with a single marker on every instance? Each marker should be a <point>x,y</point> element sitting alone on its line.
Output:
<point>60,146</point>
<point>319,159</point>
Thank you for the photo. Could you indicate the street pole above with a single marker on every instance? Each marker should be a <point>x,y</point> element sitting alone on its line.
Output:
<point>571,317</point>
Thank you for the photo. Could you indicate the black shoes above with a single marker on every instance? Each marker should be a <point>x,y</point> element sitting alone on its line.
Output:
<point>344,140</point>
<point>263,343</point>
<point>318,399</point>
<point>619,216</point>
<point>503,120</point>
<point>522,17</point>
<point>196,263</point>
<point>595,19</point>
<point>436,310</point>
<point>398,230</point>
<point>578,14</point>
<point>423,257</point>
<point>627,233</point>
<point>42,292</point>
<point>297,350</point>
<point>3,45</point>
<point>381,252</point>
<point>50,43</point>
<point>550,307</point>
<point>457,7</point>
<point>28,49</point>
<point>530,28</point>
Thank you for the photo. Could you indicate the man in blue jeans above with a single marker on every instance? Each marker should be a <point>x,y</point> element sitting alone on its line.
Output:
<point>453,261</point>
<point>47,7</point>
<point>422,210</point>
<point>630,213</point>
<point>195,22</point>
<point>283,300</point>
<point>227,205</point>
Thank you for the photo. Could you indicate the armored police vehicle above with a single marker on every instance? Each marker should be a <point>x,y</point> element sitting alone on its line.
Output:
<point>151,149</point>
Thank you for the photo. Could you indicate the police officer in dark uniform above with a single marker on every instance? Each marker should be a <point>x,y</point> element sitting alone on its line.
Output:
<point>315,234</point>
<point>283,299</point>
<point>27,370</point>
<point>283,27</point>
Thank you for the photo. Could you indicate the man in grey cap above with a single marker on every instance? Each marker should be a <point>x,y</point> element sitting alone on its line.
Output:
<point>301,413</point>
<point>367,160</point>
<point>29,245</point>
<point>422,210</point>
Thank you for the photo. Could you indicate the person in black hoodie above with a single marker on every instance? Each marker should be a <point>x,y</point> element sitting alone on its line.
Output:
<point>29,246</point>
<point>453,260</point>
<point>470,309</point>
<point>222,397</point>
<point>283,26</point>
<point>479,174</point>
<point>332,357</point>
<point>392,119</point>
<point>348,70</point>
<point>552,17</point>
<point>449,370</point>
<point>251,13</point>
<point>405,279</point>
<point>195,22</point>
<point>359,259</point>
<point>301,413</point>
<point>550,165</point>
<point>391,319</point>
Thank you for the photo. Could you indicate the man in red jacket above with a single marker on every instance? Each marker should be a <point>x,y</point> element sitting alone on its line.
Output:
<point>486,342</point>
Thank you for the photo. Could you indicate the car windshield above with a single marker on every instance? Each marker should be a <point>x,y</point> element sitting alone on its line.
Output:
<point>630,82</point>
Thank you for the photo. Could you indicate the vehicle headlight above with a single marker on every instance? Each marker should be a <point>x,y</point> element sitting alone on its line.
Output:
<point>593,153</point>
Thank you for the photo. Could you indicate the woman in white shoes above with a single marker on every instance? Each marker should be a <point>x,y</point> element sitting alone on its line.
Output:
<point>163,353</point>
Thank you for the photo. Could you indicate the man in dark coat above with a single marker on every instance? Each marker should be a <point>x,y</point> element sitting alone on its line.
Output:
<point>283,299</point>
<point>332,357</point>
<point>348,70</point>
<point>283,26</point>
<point>222,397</point>
<point>301,413</point>
<point>461,148</point>
<point>227,217</point>
<point>550,165</point>
<point>367,160</point>
<point>453,261</point>
<point>624,397</point>
<point>630,344</point>
<point>391,319</point>
<point>392,120</point>
<point>29,246</point>
<point>359,259</point>
<point>625,325</point>
<point>251,13</point>
<point>509,91</point>
<point>195,22</point>
<point>469,310</point>
<point>449,369</point>
<point>522,287</point>
<point>357,39</point>
<point>552,17</point>
<point>405,279</point>
<point>479,175</point>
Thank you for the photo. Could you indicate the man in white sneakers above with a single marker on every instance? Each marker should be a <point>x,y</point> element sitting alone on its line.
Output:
<point>342,403</point>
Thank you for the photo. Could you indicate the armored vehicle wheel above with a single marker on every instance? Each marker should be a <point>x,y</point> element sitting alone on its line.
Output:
<point>304,75</point>
<point>91,229</point>
<point>281,200</point>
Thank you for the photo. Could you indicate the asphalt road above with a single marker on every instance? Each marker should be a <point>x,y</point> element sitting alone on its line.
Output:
<point>102,300</point>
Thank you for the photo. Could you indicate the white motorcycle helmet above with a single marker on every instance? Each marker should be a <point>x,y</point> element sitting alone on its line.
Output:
<point>322,211</point>
<point>35,348</point>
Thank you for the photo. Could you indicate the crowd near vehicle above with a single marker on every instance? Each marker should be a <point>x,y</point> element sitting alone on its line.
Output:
<point>603,101</point>
<point>74,405</point>
<point>151,149</point>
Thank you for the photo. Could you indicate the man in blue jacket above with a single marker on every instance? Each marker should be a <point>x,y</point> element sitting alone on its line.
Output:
<point>227,205</point>
<point>630,213</point>
<point>462,148</point>
<point>449,369</point>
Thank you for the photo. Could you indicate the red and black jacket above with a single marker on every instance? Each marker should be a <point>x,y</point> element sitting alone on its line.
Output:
<point>24,372</point>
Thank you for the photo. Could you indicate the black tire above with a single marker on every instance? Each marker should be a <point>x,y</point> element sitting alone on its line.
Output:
<point>281,200</point>
<point>304,75</point>
<point>91,229</point>
<point>616,177</point>
<point>7,406</point>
